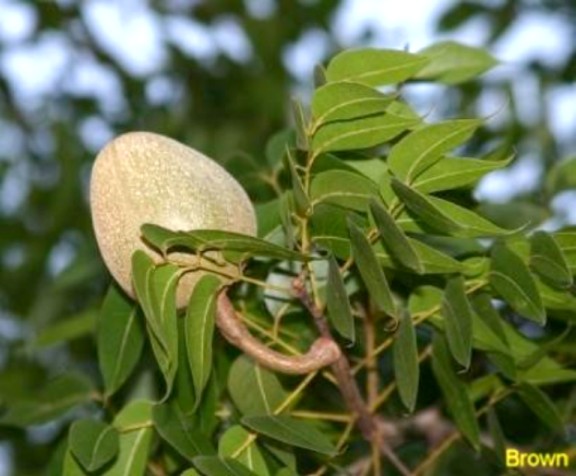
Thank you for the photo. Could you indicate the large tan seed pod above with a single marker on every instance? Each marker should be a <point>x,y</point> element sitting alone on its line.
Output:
<point>141,177</point>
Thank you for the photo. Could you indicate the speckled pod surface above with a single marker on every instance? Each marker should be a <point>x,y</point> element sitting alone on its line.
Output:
<point>141,177</point>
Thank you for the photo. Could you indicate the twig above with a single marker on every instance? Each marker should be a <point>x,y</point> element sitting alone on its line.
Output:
<point>347,385</point>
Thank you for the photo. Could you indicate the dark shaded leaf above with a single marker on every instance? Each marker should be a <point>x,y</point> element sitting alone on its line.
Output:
<point>337,303</point>
<point>233,440</point>
<point>540,404</point>
<point>455,392</point>
<point>406,367</point>
<point>291,431</point>
<point>547,259</point>
<point>93,443</point>
<point>215,240</point>
<point>199,329</point>
<point>253,389</point>
<point>215,466</point>
<point>180,431</point>
<point>370,270</point>
<point>394,238</point>
<point>457,315</point>
<point>512,279</point>
<point>120,339</point>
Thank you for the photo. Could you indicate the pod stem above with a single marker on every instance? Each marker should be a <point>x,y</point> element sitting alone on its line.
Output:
<point>323,352</point>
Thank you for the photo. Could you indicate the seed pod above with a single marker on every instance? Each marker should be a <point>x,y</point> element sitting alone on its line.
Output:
<point>141,177</point>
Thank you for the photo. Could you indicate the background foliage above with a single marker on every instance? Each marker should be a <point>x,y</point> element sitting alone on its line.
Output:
<point>49,303</point>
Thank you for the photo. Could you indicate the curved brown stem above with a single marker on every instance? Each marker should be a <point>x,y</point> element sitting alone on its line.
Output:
<point>323,352</point>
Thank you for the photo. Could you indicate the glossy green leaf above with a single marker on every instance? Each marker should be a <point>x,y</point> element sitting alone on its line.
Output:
<point>547,259</point>
<point>374,67</point>
<point>134,425</point>
<point>199,329</point>
<point>93,443</point>
<point>156,292</point>
<point>215,466</point>
<point>426,145</point>
<point>337,303</point>
<point>361,133</point>
<point>370,270</point>
<point>455,172</point>
<point>457,315</point>
<point>120,339</point>
<point>342,188</point>
<point>406,366</point>
<point>215,240</point>
<point>455,393</point>
<point>180,431</point>
<point>542,406</point>
<point>291,431</point>
<point>394,239</point>
<point>50,401</point>
<point>452,63</point>
<point>345,100</point>
<point>511,278</point>
<point>233,440</point>
<point>253,389</point>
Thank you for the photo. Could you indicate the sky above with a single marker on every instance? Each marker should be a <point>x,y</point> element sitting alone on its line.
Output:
<point>132,34</point>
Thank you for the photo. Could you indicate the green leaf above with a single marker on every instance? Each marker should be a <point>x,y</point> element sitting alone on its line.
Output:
<point>199,329</point>
<point>190,472</point>
<point>234,439</point>
<point>567,242</point>
<point>202,241</point>
<point>93,443</point>
<point>156,291</point>
<point>541,405</point>
<point>455,393</point>
<point>426,145</point>
<point>423,207</point>
<point>394,239</point>
<point>548,260</point>
<point>406,367</point>
<point>457,315</point>
<point>342,188</point>
<point>434,261</point>
<point>484,310</point>
<point>277,146</point>
<point>374,67</point>
<point>134,425</point>
<point>180,431</point>
<point>50,401</point>
<point>215,466</point>
<point>452,63</point>
<point>361,133</point>
<point>454,172</point>
<point>120,339</point>
<point>339,311</point>
<point>300,197</point>
<point>253,389</point>
<point>346,100</point>
<point>370,270</point>
<point>444,216</point>
<point>291,431</point>
<point>511,278</point>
